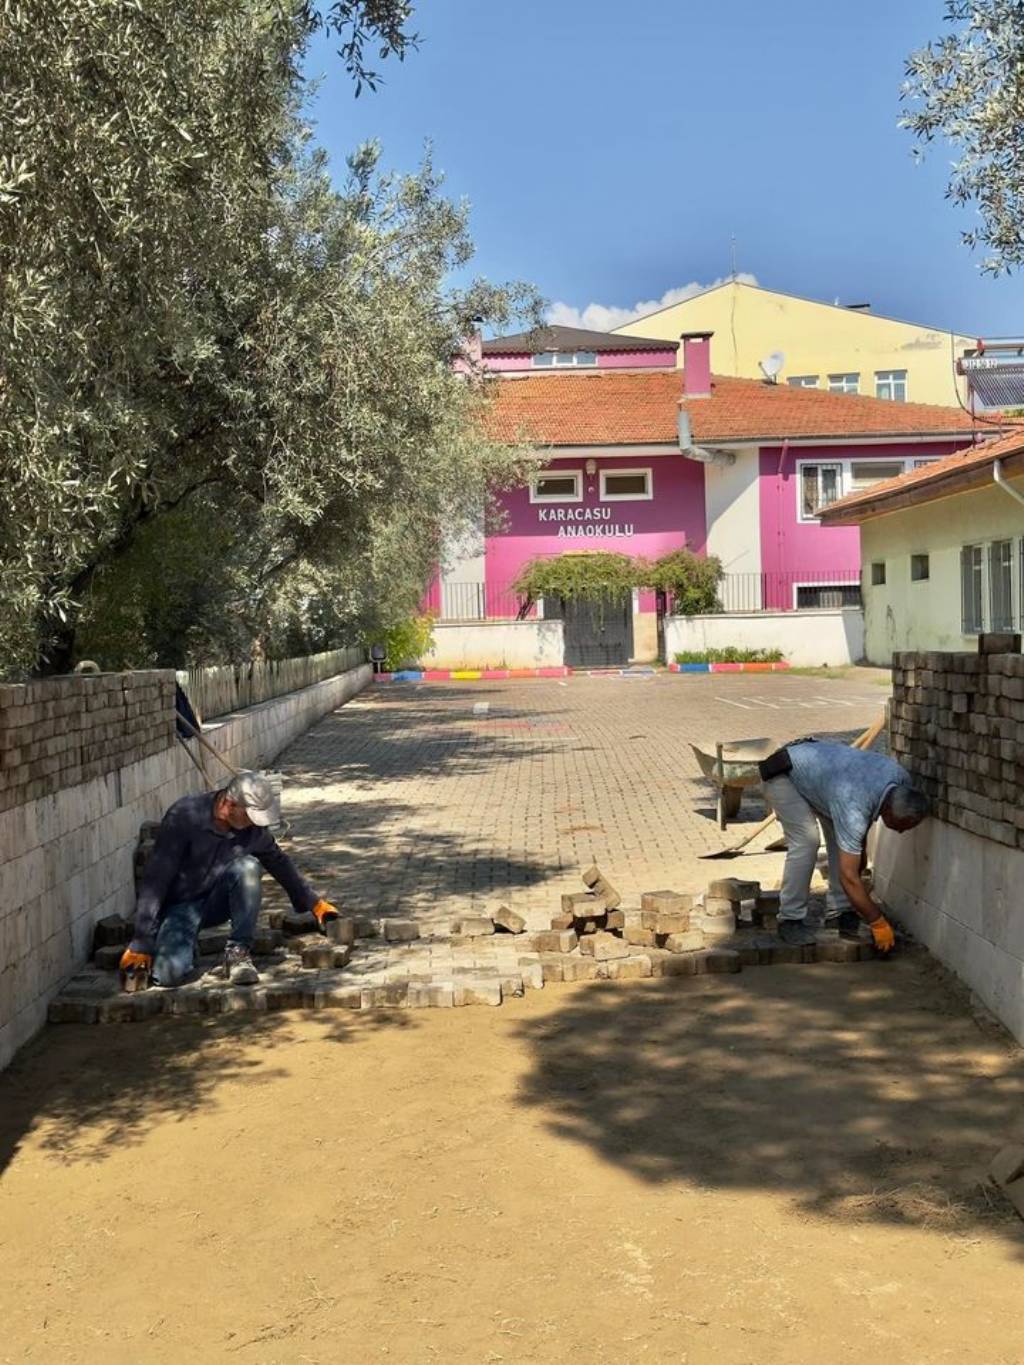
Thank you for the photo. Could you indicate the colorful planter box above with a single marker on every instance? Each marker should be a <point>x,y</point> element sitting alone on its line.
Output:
<point>468,674</point>
<point>780,667</point>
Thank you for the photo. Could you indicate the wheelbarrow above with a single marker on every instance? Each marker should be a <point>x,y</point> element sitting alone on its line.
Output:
<point>732,766</point>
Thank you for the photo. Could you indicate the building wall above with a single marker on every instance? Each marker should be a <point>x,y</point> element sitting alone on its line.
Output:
<point>750,323</point>
<point>955,880</point>
<point>606,360</point>
<point>902,614</point>
<point>496,644</point>
<point>66,852</point>
<point>804,550</point>
<point>808,639</point>
<point>733,511</point>
<point>672,518</point>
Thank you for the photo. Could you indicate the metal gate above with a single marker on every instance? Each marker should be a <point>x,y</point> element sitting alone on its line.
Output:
<point>598,631</point>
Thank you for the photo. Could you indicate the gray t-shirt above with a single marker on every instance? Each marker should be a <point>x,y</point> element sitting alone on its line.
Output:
<point>846,786</point>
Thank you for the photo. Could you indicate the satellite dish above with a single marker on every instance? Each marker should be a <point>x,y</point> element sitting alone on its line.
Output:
<point>771,366</point>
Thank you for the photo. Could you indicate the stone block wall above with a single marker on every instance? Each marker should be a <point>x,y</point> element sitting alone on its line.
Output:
<point>66,847</point>
<point>957,723</point>
<point>61,732</point>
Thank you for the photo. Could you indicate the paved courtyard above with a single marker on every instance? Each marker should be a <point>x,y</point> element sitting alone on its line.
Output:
<point>424,801</point>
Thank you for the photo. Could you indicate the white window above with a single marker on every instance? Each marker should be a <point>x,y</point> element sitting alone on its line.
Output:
<point>803,381</point>
<point>864,473</point>
<point>1000,584</point>
<point>971,595</point>
<point>920,568</point>
<point>844,383</point>
<point>564,359</point>
<point>891,384</point>
<point>626,485</point>
<point>878,573</point>
<point>820,486</point>
<point>557,485</point>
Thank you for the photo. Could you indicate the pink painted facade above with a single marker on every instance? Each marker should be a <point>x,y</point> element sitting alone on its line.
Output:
<point>794,550</point>
<point>606,360</point>
<point>672,518</point>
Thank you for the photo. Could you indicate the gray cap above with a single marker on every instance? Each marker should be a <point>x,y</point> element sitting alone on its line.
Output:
<point>256,793</point>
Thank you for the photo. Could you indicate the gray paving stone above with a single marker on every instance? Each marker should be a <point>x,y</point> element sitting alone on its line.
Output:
<point>399,930</point>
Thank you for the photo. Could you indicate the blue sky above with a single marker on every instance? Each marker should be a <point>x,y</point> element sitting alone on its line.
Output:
<point>610,152</point>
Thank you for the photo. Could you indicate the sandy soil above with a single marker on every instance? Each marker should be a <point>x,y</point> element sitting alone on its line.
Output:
<point>773,1169</point>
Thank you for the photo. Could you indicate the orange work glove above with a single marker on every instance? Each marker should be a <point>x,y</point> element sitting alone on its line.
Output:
<point>131,961</point>
<point>324,912</point>
<point>882,933</point>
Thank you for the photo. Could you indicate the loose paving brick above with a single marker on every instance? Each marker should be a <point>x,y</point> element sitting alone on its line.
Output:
<point>475,926</point>
<point>399,930</point>
<point>507,920</point>
<point>603,947</point>
<point>688,942</point>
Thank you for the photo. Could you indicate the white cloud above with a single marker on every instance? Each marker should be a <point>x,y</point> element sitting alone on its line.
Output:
<point>605,317</point>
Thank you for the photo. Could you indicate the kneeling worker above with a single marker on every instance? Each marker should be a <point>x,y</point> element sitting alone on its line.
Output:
<point>846,790</point>
<point>204,871</point>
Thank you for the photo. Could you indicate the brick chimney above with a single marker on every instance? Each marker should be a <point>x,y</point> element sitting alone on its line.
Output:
<point>696,364</point>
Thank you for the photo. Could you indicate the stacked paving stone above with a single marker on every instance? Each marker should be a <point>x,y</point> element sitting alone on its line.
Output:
<point>368,964</point>
<point>957,724</point>
<point>66,731</point>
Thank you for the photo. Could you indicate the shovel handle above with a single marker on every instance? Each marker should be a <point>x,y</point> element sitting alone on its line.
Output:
<point>206,744</point>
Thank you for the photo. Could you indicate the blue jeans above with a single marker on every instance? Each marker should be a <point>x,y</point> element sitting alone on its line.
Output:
<point>235,896</point>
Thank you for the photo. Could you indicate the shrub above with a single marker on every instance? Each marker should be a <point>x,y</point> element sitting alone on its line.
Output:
<point>406,641</point>
<point>729,655</point>
<point>693,581</point>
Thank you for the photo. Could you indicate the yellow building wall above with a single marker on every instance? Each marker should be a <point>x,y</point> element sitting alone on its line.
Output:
<point>750,323</point>
<point>902,614</point>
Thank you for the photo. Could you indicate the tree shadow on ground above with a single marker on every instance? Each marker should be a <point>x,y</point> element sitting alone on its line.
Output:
<point>864,1093</point>
<point>367,742</point>
<point>88,1091</point>
<point>382,857</point>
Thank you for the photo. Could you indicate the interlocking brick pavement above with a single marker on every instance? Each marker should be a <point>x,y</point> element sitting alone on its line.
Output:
<point>433,802</point>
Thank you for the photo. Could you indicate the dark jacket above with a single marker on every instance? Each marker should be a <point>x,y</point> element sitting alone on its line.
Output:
<point>191,854</point>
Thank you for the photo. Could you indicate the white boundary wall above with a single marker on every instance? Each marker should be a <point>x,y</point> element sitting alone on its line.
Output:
<point>496,644</point>
<point>66,859</point>
<point>959,894</point>
<point>807,639</point>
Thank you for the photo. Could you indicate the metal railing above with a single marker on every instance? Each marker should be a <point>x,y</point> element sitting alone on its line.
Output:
<point>795,590</point>
<point>477,601</point>
<point>791,591</point>
<point>222,688</point>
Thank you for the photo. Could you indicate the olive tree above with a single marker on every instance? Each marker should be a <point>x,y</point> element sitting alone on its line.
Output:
<point>195,322</point>
<point>968,89</point>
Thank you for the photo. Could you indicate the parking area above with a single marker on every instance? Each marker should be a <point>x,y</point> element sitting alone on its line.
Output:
<point>419,800</point>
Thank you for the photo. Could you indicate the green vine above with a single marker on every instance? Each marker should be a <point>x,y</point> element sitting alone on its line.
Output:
<point>580,574</point>
<point>603,575</point>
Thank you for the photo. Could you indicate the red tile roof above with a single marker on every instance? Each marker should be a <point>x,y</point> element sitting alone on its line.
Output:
<point>641,409</point>
<point>968,468</point>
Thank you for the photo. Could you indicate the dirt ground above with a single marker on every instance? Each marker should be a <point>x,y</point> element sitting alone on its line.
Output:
<point>779,1168</point>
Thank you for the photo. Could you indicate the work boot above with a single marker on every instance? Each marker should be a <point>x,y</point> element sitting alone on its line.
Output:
<point>850,925</point>
<point>797,933</point>
<point>238,966</point>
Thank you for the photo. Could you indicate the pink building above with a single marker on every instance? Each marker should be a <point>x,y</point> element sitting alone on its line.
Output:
<point>635,457</point>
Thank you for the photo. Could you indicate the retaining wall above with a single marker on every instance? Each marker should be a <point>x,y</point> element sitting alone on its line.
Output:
<point>496,644</point>
<point>808,639</point>
<point>957,724</point>
<point>68,833</point>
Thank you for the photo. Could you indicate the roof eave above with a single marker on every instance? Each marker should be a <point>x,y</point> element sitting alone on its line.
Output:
<point>945,485</point>
<point>839,438</point>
